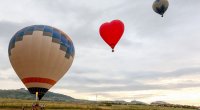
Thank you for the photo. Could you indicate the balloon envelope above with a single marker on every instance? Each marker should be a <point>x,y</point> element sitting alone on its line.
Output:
<point>160,6</point>
<point>40,55</point>
<point>111,32</point>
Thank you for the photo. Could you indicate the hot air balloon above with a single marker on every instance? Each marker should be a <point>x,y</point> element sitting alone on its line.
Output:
<point>160,6</point>
<point>40,55</point>
<point>111,32</point>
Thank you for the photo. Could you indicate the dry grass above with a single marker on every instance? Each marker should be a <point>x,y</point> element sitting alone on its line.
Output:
<point>16,104</point>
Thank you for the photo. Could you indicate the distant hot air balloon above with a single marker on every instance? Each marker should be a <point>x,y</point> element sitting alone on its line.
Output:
<point>111,32</point>
<point>160,6</point>
<point>40,55</point>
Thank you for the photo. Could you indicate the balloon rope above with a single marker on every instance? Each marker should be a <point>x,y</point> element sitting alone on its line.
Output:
<point>36,96</point>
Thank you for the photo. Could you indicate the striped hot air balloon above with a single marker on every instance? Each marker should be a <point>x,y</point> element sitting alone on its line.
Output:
<point>40,55</point>
<point>160,6</point>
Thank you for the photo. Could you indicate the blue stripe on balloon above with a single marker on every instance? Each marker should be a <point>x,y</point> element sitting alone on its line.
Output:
<point>38,27</point>
<point>11,45</point>
<point>20,33</point>
<point>28,30</point>
<point>64,41</point>
<point>48,29</point>
<point>56,34</point>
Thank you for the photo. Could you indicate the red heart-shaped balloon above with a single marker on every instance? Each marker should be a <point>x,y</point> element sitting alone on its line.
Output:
<point>111,32</point>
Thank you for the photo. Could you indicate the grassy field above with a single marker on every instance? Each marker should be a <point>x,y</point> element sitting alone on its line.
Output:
<point>16,104</point>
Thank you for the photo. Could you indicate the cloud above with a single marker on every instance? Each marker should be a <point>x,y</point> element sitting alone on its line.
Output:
<point>134,81</point>
<point>7,75</point>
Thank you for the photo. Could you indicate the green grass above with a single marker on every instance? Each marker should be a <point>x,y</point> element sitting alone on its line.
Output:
<point>16,104</point>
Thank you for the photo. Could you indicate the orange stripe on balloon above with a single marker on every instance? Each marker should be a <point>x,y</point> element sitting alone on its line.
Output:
<point>38,80</point>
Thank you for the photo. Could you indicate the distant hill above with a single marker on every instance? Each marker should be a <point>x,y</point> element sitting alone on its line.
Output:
<point>165,104</point>
<point>138,102</point>
<point>24,94</point>
<point>159,103</point>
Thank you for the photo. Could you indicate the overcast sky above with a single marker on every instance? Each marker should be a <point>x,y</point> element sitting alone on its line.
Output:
<point>156,58</point>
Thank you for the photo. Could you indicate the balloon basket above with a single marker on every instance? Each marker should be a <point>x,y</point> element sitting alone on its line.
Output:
<point>38,106</point>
